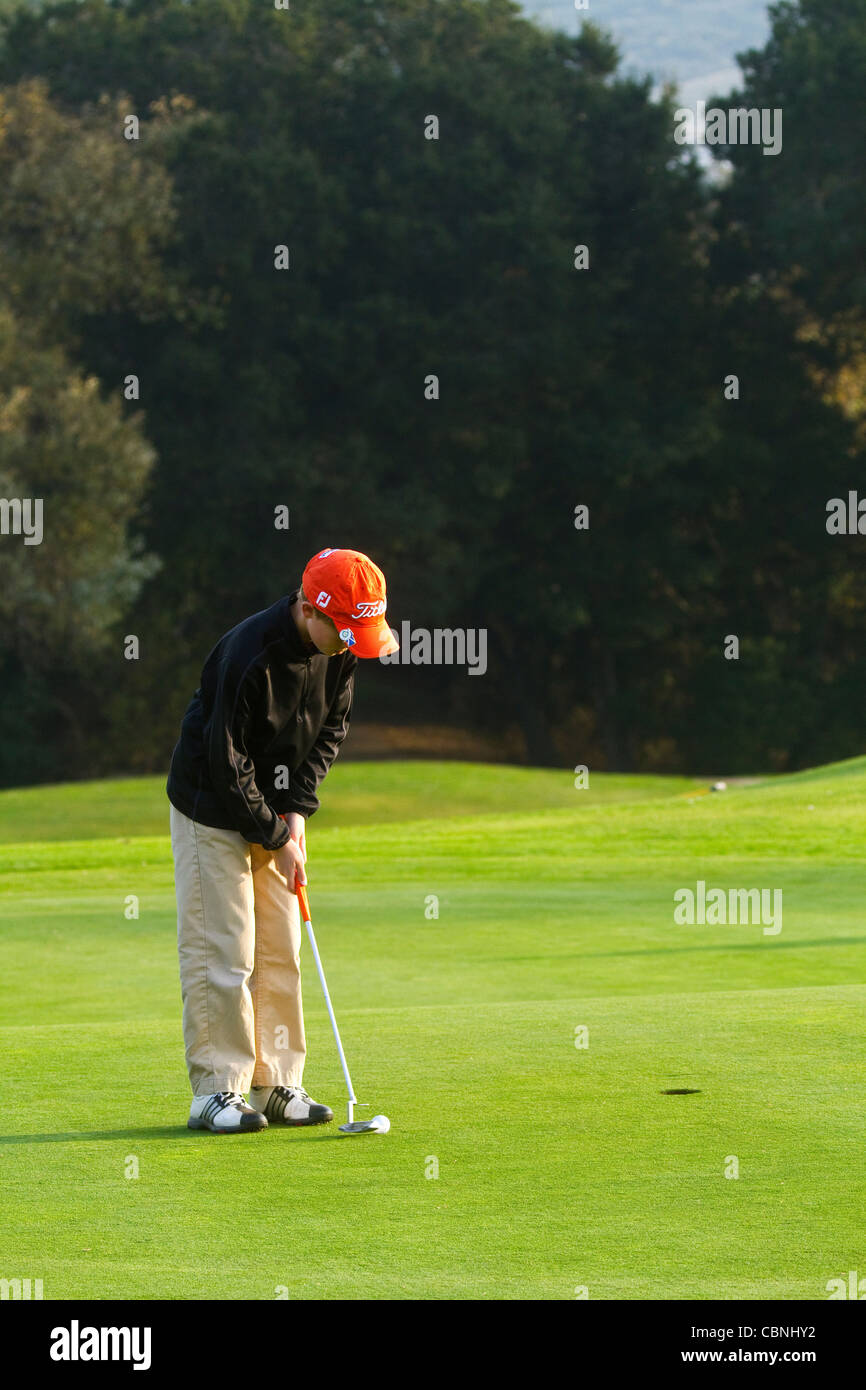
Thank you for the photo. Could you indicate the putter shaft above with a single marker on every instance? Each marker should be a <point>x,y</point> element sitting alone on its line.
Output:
<point>304,905</point>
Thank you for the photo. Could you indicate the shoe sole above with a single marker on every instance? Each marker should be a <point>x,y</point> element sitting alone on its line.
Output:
<point>295,1124</point>
<point>241,1129</point>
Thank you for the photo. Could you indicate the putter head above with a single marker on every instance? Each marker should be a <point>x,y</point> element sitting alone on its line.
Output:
<point>380,1124</point>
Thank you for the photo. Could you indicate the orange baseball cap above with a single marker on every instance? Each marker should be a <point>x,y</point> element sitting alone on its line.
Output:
<point>349,589</point>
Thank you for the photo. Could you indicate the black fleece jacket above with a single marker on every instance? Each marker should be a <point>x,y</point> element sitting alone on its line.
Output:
<point>262,729</point>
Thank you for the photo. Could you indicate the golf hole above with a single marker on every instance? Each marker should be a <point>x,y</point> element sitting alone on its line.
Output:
<point>683,1091</point>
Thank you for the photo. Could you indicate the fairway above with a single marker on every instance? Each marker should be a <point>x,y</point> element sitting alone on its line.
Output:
<point>519,1164</point>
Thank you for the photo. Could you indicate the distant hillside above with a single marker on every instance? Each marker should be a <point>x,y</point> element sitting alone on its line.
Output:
<point>690,41</point>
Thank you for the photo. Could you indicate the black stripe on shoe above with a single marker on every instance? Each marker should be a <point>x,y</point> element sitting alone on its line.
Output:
<point>280,1099</point>
<point>249,1119</point>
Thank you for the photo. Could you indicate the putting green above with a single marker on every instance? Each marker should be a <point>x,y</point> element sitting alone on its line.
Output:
<point>519,1165</point>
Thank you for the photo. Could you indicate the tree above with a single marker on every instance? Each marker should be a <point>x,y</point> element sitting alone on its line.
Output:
<point>76,218</point>
<point>414,258</point>
<point>791,320</point>
<point>411,256</point>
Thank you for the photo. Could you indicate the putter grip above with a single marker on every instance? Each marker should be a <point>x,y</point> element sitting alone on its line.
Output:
<point>302,901</point>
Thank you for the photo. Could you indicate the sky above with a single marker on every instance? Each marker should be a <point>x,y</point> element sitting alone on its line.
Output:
<point>692,42</point>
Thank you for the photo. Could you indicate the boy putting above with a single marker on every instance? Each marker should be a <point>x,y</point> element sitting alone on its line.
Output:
<point>257,739</point>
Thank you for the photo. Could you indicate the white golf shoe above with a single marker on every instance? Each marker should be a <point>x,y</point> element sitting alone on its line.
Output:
<point>289,1105</point>
<point>225,1112</point>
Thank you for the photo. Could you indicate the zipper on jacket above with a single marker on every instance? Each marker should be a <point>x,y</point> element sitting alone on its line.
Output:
<point>301,706</point>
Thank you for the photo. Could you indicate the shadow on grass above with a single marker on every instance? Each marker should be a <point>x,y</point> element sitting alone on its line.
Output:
<point>160,1132</point>
<point>778,944</point>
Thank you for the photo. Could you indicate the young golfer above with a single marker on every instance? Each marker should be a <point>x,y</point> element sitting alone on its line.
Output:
<point>256,741</point>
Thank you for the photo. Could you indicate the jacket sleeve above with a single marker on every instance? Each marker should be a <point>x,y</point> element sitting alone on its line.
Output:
<point>231,768</point>
<point>309,776</point>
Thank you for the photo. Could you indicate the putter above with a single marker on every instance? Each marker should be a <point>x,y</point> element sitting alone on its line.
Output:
<point>352,1126</point>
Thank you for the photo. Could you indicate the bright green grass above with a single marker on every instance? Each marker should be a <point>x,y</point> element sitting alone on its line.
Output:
<point>357,794</point>
<point>558,1167</point>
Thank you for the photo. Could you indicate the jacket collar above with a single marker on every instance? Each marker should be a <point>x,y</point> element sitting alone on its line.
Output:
<point>297,649</point>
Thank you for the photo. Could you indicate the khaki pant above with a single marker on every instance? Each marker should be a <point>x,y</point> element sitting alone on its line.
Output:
<point>239,940</point>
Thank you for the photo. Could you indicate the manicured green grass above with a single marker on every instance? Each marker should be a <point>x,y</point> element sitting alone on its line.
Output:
<point>559,1167</point>
<point>357,794</point>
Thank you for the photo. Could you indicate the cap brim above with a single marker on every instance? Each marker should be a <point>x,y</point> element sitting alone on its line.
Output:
<point>374,639</point>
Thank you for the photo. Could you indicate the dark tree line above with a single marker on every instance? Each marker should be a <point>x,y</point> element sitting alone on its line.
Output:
<point>412,258</point>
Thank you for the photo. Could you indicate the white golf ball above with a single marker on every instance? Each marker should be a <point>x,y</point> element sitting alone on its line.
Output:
<point>720,786</point>
<point>382,1123</point>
